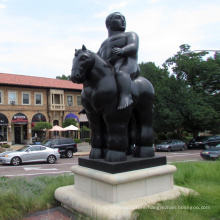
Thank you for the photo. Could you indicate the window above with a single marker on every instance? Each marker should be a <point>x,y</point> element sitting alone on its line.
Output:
<point>69,100</point>
<point>54,143</point>
<point>38,99</point>
<point>35,148</point>
<point>26,98</point>
<point>12,98</point>
<point>79,100</point>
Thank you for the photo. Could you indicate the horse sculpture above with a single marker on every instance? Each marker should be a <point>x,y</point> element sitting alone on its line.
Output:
<point>114,132</point>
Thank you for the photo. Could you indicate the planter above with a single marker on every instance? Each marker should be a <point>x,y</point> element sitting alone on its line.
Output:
<point>2,149</point>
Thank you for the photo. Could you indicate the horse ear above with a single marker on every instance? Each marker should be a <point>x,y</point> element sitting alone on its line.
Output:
<point>83,47</point>
<point>76,52</point>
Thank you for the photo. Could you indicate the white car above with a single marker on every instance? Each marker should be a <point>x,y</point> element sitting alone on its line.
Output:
<point>30,153</point>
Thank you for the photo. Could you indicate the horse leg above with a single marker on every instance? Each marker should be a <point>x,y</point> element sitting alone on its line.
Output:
<point>98,136</point>
<point>117,138</point>
<point>131,135</point>
<point>145,134</point>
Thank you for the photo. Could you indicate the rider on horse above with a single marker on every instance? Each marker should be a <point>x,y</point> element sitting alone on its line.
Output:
<point>120,49</point>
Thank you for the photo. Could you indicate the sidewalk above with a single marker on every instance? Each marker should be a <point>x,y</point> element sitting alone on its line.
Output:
<point>58,213</point>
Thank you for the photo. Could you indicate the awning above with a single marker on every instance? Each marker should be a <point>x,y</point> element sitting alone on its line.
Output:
<point>83,118</point>
<point>3,119</point>
<point>19,118</point>
<point>39,117</point>
<point>71,115</point>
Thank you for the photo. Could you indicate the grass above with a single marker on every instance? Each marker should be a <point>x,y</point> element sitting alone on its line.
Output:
<point>19,196</point>
<point>204,178</point>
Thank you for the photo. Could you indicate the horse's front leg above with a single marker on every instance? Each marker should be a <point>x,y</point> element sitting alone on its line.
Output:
<point>98,136</point>
<point>117,138</point>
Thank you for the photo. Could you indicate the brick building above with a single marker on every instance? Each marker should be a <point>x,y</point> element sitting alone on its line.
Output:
<point>25,100</point>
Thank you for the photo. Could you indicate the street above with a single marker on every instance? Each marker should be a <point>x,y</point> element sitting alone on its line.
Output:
<point>63,165</point>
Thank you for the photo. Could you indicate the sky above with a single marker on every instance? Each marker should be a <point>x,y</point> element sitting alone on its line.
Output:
<point>39,37</point>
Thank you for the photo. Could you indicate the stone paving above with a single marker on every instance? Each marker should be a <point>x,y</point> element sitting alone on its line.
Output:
<point>58,213</point>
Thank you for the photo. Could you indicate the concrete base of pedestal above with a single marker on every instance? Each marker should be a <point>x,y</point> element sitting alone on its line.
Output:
<point>101,195</point>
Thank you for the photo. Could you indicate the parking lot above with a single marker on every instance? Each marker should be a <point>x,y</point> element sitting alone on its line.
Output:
<point>63,166</point>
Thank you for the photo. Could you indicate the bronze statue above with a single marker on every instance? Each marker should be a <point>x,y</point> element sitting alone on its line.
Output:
<point>117,101</point>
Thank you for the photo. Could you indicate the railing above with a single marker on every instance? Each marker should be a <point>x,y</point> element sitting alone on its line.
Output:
<point>57,107</point>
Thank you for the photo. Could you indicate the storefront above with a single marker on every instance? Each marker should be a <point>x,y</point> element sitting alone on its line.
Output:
<point>19,128</point>
<point>3,128</point>
<point>37,134</point>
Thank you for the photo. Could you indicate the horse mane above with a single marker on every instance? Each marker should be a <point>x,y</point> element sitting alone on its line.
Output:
<point>107,64</point>
<point>96,56</point>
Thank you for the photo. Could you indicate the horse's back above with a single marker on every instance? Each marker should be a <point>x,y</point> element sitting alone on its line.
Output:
<point>142,87</point>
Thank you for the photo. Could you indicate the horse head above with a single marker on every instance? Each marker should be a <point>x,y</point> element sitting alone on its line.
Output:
<point>82,63</point>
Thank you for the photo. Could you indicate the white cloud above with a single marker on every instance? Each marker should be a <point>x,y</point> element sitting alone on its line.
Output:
<point>162,30</point>
<point>110,9</point>
<point>117,6</point>
<point>2,6</point>
<point>101,14</point>
<point>153,1</point>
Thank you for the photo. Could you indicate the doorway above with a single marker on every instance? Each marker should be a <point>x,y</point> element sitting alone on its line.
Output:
<point>17,135</point>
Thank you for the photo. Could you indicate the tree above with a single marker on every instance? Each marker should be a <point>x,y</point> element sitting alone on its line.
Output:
<point>64,77</point>
<point>167,98</point>
<point>41,127</point>
<point>201,79</point>
<point>69,121</point>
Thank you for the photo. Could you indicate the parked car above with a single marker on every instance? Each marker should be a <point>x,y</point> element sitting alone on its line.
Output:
<point>196,142</point>
<point>205,143</point>
<point>170,145</point>
<point>30,153</point>
<point>212,153</point>
<point>211,141</point>
<point>66,146</point>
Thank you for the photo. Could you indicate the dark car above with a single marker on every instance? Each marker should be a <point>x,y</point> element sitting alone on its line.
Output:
<point>211,141</point>
<point>206,142</point>
<point>212,153</point>
<point>170,145</point>
<point>66,146</point>
<point>196,142</point>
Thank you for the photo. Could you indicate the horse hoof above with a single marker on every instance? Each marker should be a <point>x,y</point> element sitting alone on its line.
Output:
<point>130,150</point>
<point>97,153</point>
<point>144,151</point>
<point>115,156</point>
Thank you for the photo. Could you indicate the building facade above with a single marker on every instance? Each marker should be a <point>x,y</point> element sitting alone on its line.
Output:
<point>25,100</point>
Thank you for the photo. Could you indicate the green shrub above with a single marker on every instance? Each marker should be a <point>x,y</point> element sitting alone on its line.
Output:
<point>88,140</point>
<point>78,141</point>
<point>6,146</point>
<point>20,196</point>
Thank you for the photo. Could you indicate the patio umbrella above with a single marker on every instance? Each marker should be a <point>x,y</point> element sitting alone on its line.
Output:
<point>56,128</point>
<point>71,128</point>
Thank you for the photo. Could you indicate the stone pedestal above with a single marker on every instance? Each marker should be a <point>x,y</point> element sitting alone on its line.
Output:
<point>102,195</point>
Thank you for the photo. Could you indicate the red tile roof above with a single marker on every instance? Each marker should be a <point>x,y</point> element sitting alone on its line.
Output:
<point>33,81</point>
